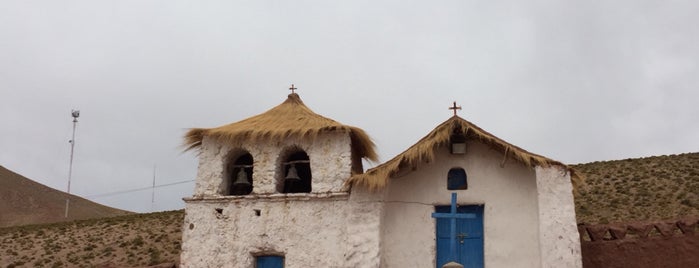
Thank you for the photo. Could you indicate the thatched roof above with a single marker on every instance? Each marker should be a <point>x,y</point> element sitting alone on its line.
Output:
<point>423,151</point>
<point>290,119</point>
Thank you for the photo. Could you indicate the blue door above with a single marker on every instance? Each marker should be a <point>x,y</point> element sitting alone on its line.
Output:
<point>270,262</point>
<point>469,237</point>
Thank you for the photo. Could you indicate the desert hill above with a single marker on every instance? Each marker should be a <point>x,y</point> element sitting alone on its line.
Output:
<point>23,201</point>
<point>657,187</point>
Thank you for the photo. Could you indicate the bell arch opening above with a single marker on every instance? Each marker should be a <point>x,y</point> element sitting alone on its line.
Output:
<point>238,178</point>
<point>294,172</point>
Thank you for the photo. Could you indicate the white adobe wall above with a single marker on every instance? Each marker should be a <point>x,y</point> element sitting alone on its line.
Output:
<point>558,234</point>
<point>310,230</point>
<point>324,228</point>
<point>511,230</point>
<point>330,156</point>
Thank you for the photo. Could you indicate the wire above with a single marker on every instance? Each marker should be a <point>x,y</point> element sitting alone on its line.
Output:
<point>136,190</point>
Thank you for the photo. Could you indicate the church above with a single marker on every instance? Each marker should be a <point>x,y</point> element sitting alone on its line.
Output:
<point>286,188</point>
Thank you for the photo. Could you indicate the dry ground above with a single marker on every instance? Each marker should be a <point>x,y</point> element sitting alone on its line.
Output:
<point>651,188</point>
<point>127,241</point>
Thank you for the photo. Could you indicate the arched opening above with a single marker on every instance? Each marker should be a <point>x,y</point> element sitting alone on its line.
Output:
<point>240,175</point>
<point>297,173</point>
<point>456,179</point>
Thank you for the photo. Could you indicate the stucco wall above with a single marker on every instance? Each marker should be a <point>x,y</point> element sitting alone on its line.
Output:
<point>324,228</point>
<point>329,153</point>
<point>560,242</point>
<point>511,230</point>
<point>309,230</point>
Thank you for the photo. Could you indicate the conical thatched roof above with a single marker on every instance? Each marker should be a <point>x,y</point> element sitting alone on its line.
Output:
<point>290,119</point>
<point>423,151</point>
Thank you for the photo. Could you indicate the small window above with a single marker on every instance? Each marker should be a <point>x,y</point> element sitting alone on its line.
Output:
<point>297,173</point>
<point>269,262</point>
<point>456,179</point>
<point>240,175</point>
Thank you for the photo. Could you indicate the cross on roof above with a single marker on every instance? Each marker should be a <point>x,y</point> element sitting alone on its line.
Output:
<point>292,88</point>
<point>454,107</point>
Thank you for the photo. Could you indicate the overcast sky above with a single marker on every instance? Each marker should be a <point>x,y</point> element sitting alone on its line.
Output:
<point>577,81</point>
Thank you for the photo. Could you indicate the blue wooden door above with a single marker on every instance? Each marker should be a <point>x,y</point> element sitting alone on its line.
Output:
<point>469,237</point>
<point>270,262</point>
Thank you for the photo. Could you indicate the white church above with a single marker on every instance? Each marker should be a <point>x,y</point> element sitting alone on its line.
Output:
<point>286,188</point>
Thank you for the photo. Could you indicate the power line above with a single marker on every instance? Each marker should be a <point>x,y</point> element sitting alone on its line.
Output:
<point>137,189</point>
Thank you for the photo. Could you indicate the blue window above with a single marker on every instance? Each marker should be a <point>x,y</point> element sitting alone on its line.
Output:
<point>469,237</point>
<point>269,262</point>
<point>456,179</point>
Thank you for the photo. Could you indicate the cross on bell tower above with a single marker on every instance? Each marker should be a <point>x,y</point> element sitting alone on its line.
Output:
<point>453,107</point>
<point>292,88</point>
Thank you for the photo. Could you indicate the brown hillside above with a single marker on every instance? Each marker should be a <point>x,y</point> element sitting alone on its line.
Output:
<point>23,201</point>
<point>135,240</point>
<point>657,187</point>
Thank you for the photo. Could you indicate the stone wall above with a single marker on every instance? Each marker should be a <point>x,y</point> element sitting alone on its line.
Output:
<point>641,244</point>
<point>330,156</point>
<point>308,229</point>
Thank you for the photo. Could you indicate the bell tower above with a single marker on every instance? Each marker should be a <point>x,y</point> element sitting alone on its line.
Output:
<point>269,173</point>
<point>288,149</point>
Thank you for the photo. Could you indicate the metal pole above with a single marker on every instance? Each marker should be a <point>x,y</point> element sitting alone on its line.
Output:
<point>75,114</point>
<point>152,197</point>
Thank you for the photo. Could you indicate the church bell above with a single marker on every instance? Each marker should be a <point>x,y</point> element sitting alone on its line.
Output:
<point>242,179</point>
<point>292,175</point>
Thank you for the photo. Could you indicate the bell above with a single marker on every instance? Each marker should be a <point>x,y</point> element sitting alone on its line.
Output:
<point>291,174</point>
<point>242,179</point>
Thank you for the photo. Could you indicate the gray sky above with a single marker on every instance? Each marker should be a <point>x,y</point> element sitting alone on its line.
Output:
<point>577,81</point>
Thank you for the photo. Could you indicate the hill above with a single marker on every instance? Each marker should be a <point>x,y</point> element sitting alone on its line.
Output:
<point>657,187</point>
<point>135,240</point>
<point>23,201</point>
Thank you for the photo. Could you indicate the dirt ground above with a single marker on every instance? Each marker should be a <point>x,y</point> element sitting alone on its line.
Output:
<point>140,240</point>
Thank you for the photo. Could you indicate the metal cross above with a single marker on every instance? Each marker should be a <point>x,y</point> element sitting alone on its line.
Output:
<point>292,88</point>
<point>452,216</point>
<point>454,107</point>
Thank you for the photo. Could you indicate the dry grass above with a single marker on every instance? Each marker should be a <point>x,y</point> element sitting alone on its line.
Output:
<point>127,241</point>
<point>657,187</point>
<point>423,151</point>
<point>292,118</point>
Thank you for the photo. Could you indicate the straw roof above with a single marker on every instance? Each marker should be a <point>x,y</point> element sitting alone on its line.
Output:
<point>423,151</point>
<point>289,119</point>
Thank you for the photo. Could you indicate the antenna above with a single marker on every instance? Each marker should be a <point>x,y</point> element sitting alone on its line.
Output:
<point>75,114</point>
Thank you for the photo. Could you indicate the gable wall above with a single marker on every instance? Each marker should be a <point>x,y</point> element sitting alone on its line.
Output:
<point>511,229</point>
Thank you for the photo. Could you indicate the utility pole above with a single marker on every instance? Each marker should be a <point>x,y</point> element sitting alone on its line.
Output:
<point>152,197</point>
<point>75,114</point>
